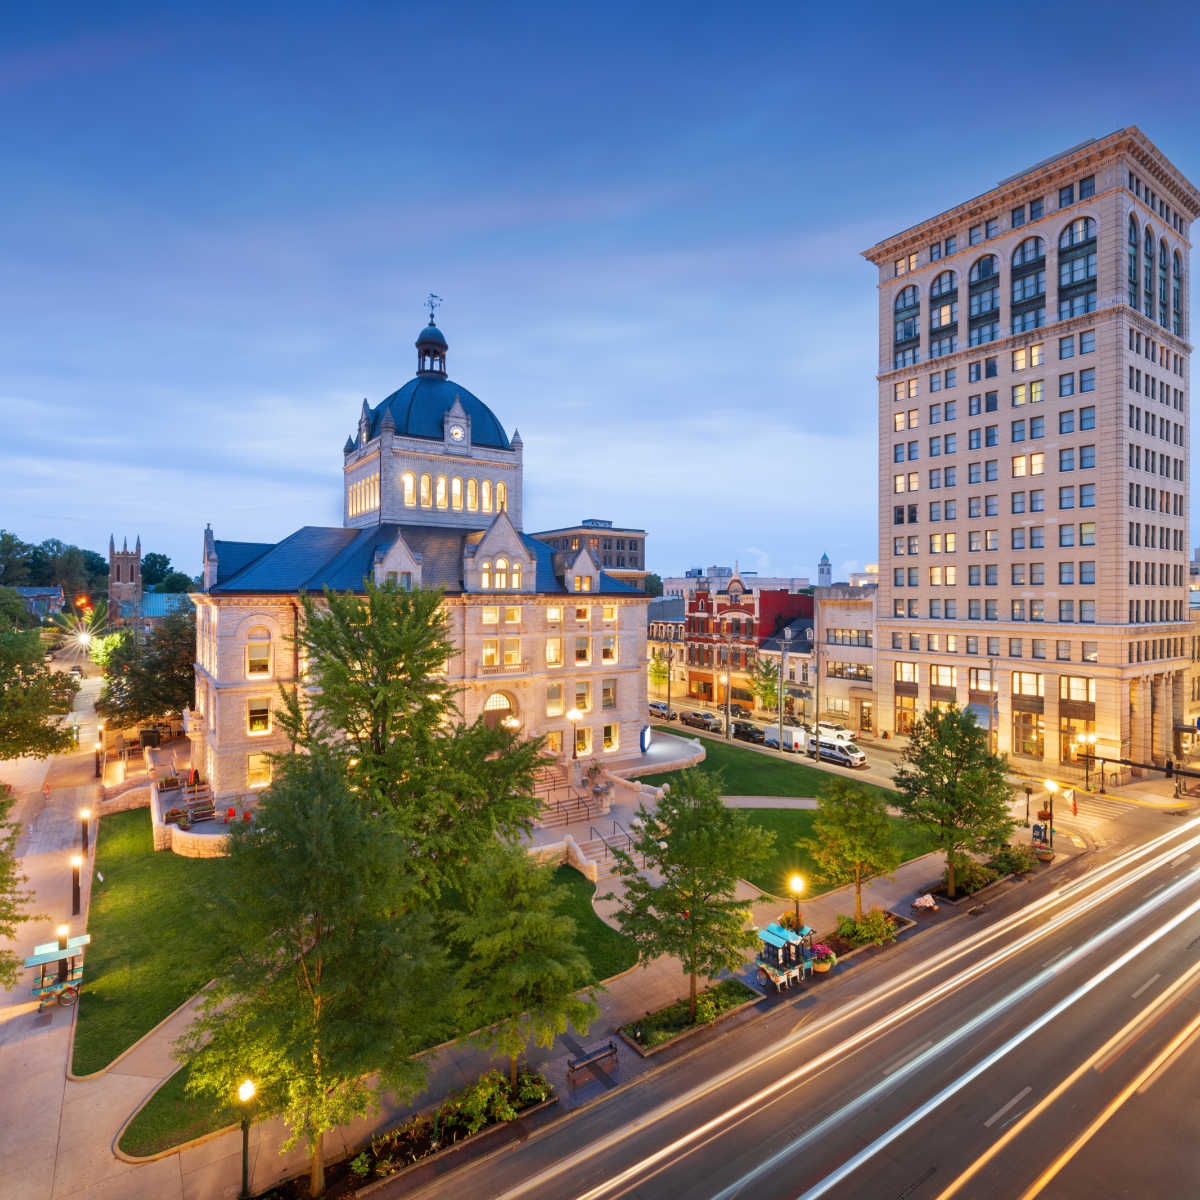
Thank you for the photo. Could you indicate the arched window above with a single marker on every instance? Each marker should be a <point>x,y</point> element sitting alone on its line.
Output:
<point>472,496</point>
<point>1077,268</point>
<point>501,497</point>
<point>456,499</point>
<point>485,576</point>
<point>408,484</point>
<point>908,326</point>
<point>516,576</point>
<point>1133,263</point>
<point>1177,294</point>
<point>985,268</point>
<point>485,501</point>
<point>426,491</point>
<point>501,574</point>
<point>258,652</point>
<point>498,710</point>
<point>983,301</point>
<point>1148,274</point>
<point>1029,285</point>
<point>1162,284</point>
<point>439,493</point>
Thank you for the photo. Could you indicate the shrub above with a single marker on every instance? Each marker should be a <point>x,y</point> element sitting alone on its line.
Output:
<point>876,929</point>
<point>824,954</point>
<point>1012,860</point>
<point>970,876</point>
<point>788,921</point>
<point>360,1165</point>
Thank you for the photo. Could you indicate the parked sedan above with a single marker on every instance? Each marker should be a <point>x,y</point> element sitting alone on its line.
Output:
<point>703,720</point>
<point>740,711</point>
<point>658,708</point>
<point>746,732</point>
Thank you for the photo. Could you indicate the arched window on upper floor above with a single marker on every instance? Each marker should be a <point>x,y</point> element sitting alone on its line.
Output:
<point>439,492</point>
<point>1029,285</point>
<point>501,574</point>
<point>1077,268</point>
<point>408,487</point>
<point>1163,260</point>
<point>1148,273</point>
<point>516,576</point>
<point>944,284</point>
<point>485,496</point>
<point>907,334</point>
<point>426,491</point>
<point>456,494</point>
<point>485,575</point>
<point>1177,293</point>
<point>983,289</point>
<point>472,495</point>
<point>258,652</point>
<point>1133,263</point>
<point>501,496</point>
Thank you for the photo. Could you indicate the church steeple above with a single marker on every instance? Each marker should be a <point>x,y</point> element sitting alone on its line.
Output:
<point>432,345</point>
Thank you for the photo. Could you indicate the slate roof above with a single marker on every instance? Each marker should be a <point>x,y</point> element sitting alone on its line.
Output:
<point>316,557</point>
<point>800,643</point>
<point>419,407</point>
<point>233,556</point>
<point>156,604</point>
<point>666,608</point>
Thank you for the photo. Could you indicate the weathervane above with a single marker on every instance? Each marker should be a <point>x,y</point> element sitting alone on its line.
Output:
<point>431,302</point>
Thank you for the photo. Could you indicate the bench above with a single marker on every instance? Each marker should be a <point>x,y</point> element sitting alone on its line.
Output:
<point>203,811</point>
<point>591,1058</point>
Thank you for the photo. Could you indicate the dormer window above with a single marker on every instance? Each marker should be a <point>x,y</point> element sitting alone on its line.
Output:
<point>501,574</point>
<point>485,576</point>
<point>516,576</point>
<point>583,583</point>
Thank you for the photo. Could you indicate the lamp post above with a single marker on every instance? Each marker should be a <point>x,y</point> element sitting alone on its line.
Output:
<point>96,748</point>
<point>796,886</point>
<point>1085,745</point>
<point>85,815</point>
<point>76,867</point>
<point>724,678</point>
<point>62,931</point>
<point>1051,788</point>
<point>1028,795</point>
<point>574,716</point>
<point>670,660</point>
<point>245,1095</point>
<point>787,641</point>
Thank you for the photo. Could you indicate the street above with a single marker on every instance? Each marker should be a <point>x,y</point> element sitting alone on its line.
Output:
<point>966,1062</point>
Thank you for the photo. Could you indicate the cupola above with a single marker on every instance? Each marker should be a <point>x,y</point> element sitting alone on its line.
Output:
<point>431,352</point>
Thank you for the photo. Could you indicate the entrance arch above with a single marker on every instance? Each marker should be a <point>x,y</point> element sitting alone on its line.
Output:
<point>500,708</point>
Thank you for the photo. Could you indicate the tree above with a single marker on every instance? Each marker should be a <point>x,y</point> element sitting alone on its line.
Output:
<point>32,697</point>
<point>13,612</point>
<point>383,706</point>
<point>174,581</point>
<point>14,895</point>
<point>652,585</point>
<point>103,646</point>
<point>764,683</point>
<point>523,968</point>
<point>334,979</point>
<point>852,837</point>
<point>697,848</point>
<point>14,559</point>
<point>154,567</point>
<point>144,683</point>
<point>659,669</point>
<point>950,782</point>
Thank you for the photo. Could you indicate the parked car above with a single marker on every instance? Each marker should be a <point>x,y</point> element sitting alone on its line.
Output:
<point>793,739</point>
<point>659,708</point>
<point>76,669</point>
<point>844,754</point>
<point>834,731</point>
<point>740,711</point>
<point>746,732</point>
<point>795,722</point>
<point>703,720</point>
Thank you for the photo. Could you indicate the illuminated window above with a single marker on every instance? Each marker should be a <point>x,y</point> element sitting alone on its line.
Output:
<point>491,652</point>
<point>554,699</point>
<point>583,583</point>
<point>440,492</point>
<point>512,652</point>
<point>512,615</point>
<point>456,494</point>
<point>553,615</point>
<point>472,495</point>
<point>608,648</point>
<point>583,614</point>
<point>516,576</point>
<point>608,694</point>
<point>408,484</point>
<point>611,740</point>
<point>583,651</point>
<point>426,491</point>
<point>501,574</point>
<point>258,714</point>
<point>554,652</point>
<point>583,740</point>
<point>583,695</point>
<point>489,616</point>
<point>258,770</point>
<point>485,498</point>
<point>485,576</point>
<point>501,497</point>
<point>258,652</point>
<point>554,741</point>
<point>609,612</point>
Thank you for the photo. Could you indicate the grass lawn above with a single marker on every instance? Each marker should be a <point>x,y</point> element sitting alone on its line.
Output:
<point>748,772</point>
<point>790,825</point>
<point>171,1117</point>
<point>152,945</point>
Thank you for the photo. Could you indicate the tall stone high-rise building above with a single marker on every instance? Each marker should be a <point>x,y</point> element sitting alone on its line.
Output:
<point>124,576</point>
<point>1033,456</point>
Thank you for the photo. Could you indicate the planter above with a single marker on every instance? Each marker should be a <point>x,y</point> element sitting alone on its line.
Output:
<point>1043,814</point>
<point>822,967</point>
<point>1044,855</point>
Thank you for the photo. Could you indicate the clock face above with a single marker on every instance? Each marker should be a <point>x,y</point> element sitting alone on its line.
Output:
<point>457,433</point>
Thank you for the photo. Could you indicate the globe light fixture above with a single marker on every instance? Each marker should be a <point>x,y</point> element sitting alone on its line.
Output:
<point>245,1095</point>
<point>796,886</point>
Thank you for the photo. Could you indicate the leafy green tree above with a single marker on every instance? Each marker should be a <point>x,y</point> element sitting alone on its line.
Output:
<point>697,849</point>
<point>14,559</point>
<point>143,683</point>
<point>13,612</point>
<point>32,697</point>
<point>523,969</point>
<point>174,581</point>
<point>852,838</point>
<point>335,980</point>
<point>104,645</point>
<point>764,683</point>
<point>653,584</point>
<point>383,705</point>
<point>14,895</point>
<point>659,669</point>
<point>154,567</point>
<point>950,782</point>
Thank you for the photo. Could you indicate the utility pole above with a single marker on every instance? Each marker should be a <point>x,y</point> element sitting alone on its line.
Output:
<point>787,637</point>
<point>993,710</point>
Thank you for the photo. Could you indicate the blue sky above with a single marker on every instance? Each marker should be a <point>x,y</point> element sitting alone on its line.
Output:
<point>218,225</point>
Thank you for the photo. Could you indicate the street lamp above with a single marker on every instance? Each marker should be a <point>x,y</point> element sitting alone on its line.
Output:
<point>811,634</point>
<point>1028,794</point>
<point>725,684</point>
<point>85,815</point>
<point>1085,745</point>
<point>670,661</point>
<point>1051,788</point>
<point>76,867</point>
<point>574,716</point>
<point>796,886</point>
<point>787,641</point>
<point>96,748</point>
<point>245,1095</point>
<point>62,931</point>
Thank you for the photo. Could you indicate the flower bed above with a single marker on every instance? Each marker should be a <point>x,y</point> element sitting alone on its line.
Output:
<point>657,1028</point>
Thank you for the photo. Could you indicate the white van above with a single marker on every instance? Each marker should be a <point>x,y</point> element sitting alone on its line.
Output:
<point>793,739</point>
<point>845,754</point>
<point>832,731</point>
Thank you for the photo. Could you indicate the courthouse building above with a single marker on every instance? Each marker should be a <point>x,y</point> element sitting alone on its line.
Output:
<point>545,641</point>
<point>1033,457</point>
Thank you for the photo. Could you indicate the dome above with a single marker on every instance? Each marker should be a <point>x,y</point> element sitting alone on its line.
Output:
<point>419,408</point>
<point>431,335</point>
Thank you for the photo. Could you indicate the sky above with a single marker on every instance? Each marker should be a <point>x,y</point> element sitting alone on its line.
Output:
<point>218,225</point>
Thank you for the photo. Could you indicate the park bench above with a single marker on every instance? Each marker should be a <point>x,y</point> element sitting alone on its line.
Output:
<point>591,1058</point>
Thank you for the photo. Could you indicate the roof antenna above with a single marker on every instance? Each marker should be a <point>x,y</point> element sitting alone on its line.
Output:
<point>431,302</point>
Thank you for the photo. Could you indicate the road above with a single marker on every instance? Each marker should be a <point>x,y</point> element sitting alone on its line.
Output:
<point>1041,1047</point>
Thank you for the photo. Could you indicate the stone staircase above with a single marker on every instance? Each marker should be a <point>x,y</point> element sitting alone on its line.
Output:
<point>600,846</point>
<point>561,803</point>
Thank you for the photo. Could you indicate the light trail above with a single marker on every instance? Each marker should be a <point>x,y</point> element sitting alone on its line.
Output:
<point>1010,1135</point>
<point>935,1102</point>
<point>913,975</point>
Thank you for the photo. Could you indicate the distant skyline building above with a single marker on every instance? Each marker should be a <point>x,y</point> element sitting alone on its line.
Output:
<point>619,550</point>
<point>717,578</point>
<point>1034,457</point>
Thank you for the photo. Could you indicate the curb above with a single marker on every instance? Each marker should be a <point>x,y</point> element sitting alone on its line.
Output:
<point>650,1051</point>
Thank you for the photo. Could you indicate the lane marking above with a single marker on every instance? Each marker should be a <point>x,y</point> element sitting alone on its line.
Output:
<point>1001,1111</point>
<point>1167,1063</point>
<point>1149,982</point>
<point>1181,859</point>
<point>895,1066</point>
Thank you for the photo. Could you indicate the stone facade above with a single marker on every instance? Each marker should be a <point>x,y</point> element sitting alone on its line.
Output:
<point>124,579</point>
<point>846,642</point>
<point>1034,456</point>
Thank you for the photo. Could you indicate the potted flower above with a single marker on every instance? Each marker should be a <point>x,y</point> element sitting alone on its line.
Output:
<point>1043,814</point>
<point>823,958</point>
<point>172,815</point>
<point>1043,853</point>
